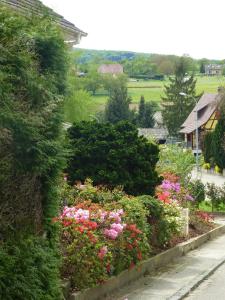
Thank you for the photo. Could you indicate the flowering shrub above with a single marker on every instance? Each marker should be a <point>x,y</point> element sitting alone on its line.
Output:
<point>201,221</point>
<point>165,220</point>
<point>99,241</point>
<point>172,192</point>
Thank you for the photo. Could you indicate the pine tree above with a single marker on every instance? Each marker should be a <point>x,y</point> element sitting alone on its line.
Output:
<point>146,114</point>
<point>117,108</point>
<point>176,107</point>
<point>218,150</point>
<point>149,114</point>
<point>141,112</point>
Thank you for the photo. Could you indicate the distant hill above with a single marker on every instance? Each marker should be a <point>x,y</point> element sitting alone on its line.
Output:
<point>100,56</point>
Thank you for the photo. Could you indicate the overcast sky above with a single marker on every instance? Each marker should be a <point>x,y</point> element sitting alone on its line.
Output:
<point>194,27</point>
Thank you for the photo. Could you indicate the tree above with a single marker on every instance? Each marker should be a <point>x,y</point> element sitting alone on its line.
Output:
<point>218,150</point>
<point>146,114</point>
<point>117,108</point>
<point>207,147</point>
<point>113,155</point>
<point>176,107</point>
<point>92,82</point>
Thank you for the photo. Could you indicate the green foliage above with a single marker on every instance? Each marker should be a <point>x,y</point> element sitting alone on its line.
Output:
<point>217,143</point>
<point>29,270</point>
<point>113,155</point>
<point>146,114</point>
<point>217,196</point>
<point>77,106</point>
<point>92,81</point>
<point>176,160</point>
<point>197,190</point>
<point>33,76</point>
<point>164,219</point>
<point>176,107</point>
<point>207,147</point>
<point>33,82</point>
<point>117,108</point>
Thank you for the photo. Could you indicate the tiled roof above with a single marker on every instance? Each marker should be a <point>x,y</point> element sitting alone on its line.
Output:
<point>35,6</point>
<point>205,107</point>
<point>157,133</point>
<point>111,69</point>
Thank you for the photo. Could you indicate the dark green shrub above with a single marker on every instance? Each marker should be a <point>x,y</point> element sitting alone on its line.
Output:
<point>33,75</point>
<point>33,81</point>
<point>113,155</point>
<point>207,147</point>
<point>218,150</point>
<point>29,270</point>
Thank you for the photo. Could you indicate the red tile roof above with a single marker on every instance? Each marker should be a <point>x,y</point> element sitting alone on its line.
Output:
<point>111,69</point>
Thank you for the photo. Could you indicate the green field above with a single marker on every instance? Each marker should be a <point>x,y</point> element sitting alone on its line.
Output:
<point>152,90</point>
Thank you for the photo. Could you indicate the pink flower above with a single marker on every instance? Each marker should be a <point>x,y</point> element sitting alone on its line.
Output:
<point>102,252</point>
<point>74,213</point>
<point>103,215</point>
<point>115,216</point>
<point>111,233</point>
<point>117,227</point>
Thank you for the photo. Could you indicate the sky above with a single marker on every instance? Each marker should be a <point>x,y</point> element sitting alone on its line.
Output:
<point>193,27</point>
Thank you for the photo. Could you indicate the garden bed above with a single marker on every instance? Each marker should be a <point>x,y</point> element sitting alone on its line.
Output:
<point>144,267</point>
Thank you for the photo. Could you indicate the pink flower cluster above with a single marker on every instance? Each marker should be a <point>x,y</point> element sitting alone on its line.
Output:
<point>74,213</point>
<point>170,186</point>
<point>115,230</point>
<point>116,215</point>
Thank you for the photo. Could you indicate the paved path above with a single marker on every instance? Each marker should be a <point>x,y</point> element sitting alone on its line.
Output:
<point>174,279</point>
<point>210,178</point>
<point>211,288</point>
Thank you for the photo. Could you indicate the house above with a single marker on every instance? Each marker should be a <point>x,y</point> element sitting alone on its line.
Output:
<point>72,34</point>
<point>204,117</point>
<point>214,69</point>
<point>113,69</point>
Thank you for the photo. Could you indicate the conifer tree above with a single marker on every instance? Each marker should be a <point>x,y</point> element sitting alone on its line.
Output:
<point>146,114</point>
<point>218,150</point>
<point>117,108</point>
<point>176,107</point>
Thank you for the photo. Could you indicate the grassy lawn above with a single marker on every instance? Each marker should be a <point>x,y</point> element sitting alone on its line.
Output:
<point>207,207</point>
<point>152,90</point>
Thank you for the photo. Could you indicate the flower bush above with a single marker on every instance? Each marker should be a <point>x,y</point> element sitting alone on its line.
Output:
<point>98,241</point>
<point>165,220</point>
<point>173,192</point>
<point>201,221</point>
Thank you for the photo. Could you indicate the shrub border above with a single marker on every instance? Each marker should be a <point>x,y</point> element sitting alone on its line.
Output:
<point>145,267</point>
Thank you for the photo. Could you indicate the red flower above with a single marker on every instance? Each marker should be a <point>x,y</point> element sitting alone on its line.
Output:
<point>164,197</point>
<point>129,246</point>
<point>139,255</point>
<point>67,223</point>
